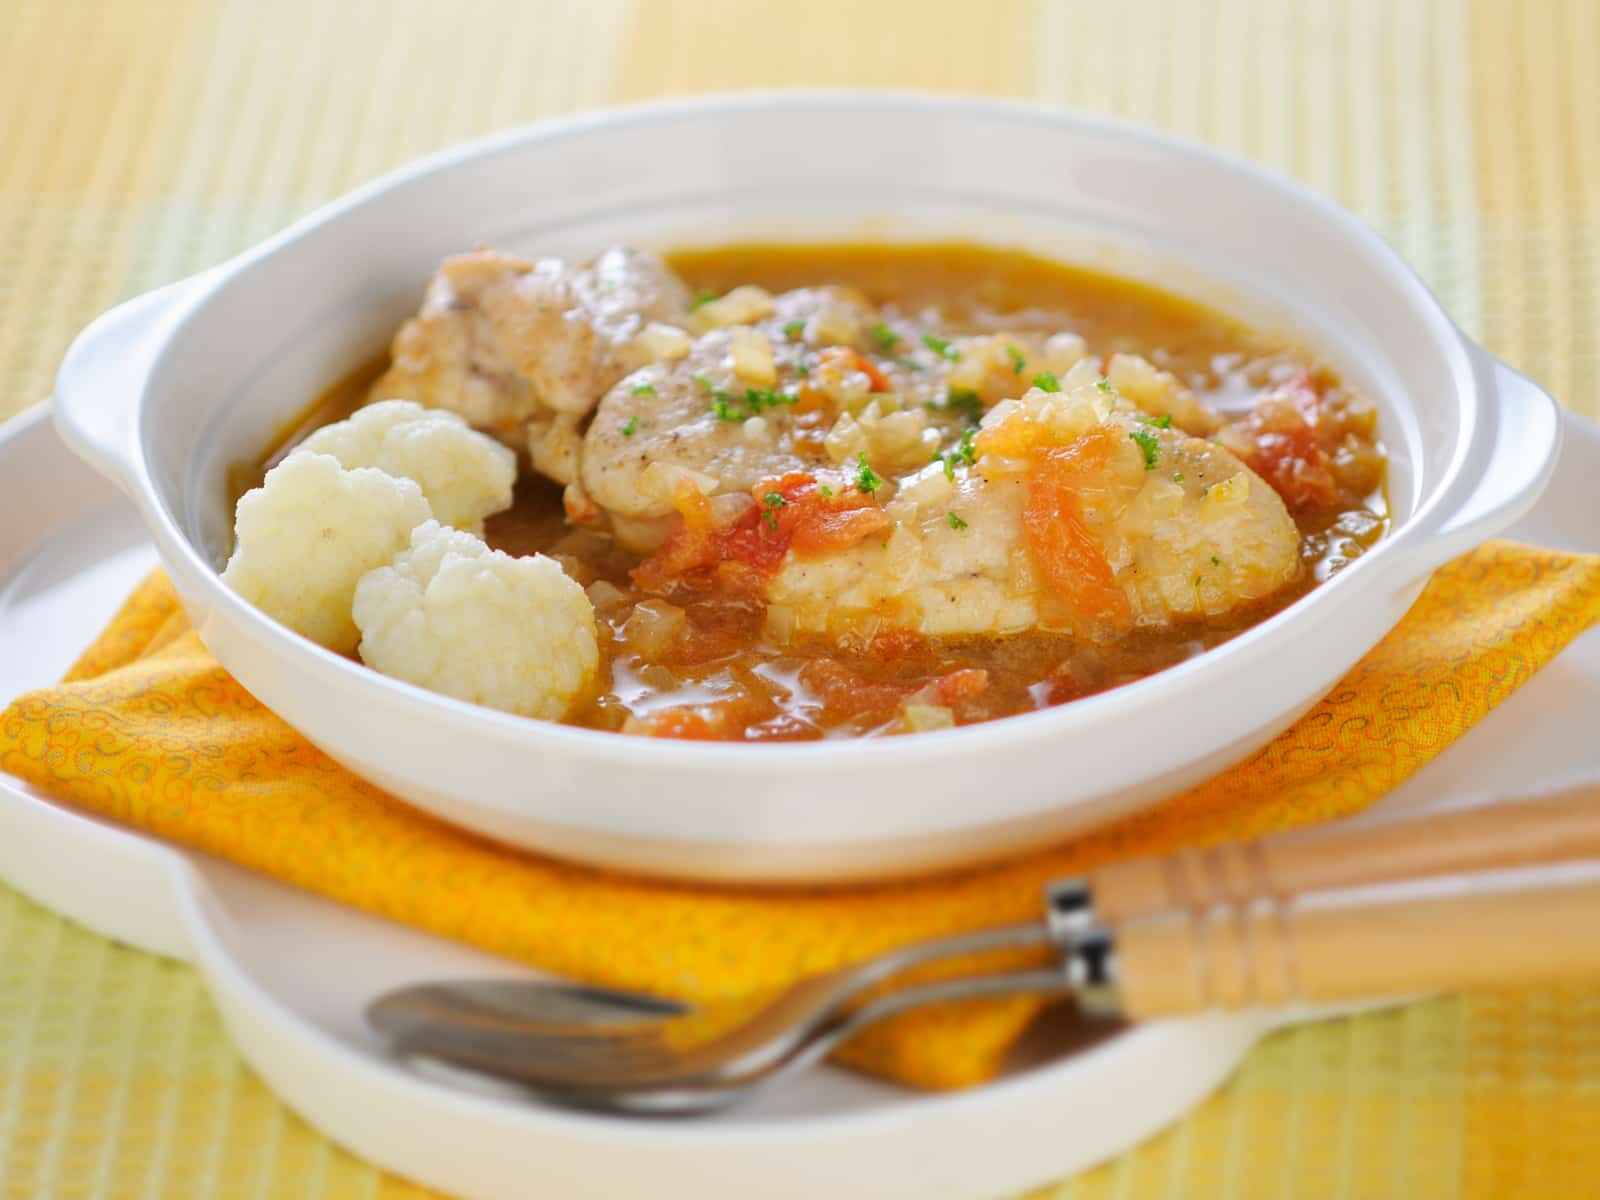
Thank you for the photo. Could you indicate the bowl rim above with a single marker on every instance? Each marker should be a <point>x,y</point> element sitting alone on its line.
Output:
<point>828,754</point>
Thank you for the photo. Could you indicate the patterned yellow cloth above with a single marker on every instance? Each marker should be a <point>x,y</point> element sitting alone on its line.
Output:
<point>147,139</point>
<point>150,731</point>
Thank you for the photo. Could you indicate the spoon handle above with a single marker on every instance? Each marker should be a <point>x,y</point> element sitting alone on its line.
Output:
<point>1560,827</point>
<point>1499,929</point>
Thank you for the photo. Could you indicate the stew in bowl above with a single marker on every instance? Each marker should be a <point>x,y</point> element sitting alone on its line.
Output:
<point>816,491</point>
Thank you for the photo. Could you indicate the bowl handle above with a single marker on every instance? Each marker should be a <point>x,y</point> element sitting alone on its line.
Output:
<point>1524,445</point>
<point>103,375</point>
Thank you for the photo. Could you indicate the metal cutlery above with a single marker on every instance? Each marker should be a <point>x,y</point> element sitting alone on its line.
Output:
<point>1386,913</point>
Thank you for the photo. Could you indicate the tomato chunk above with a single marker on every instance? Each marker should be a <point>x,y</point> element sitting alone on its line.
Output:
<point>1067,554</point>
<point>689,548</point>
<point>789,512</point>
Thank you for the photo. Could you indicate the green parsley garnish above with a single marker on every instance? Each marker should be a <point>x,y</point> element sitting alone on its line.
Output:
<point>867,480</point>
<point>1215,561</point>
<point>704,383</point>
<point>801,369</point>
<point>1177,477</point>
<point>643,389</point>
<point>631,428</point>
<point>1164,421</point>
<point>759,398</point>
<point>1017,361</point>
<point>965,453</point>
<point>701,299</point>
<point>793,330</point>
<point>1148,446</point>
<point>772,501</point>
<point>941,347</point>
<point>729,408</point>
<point>1046,381</point>
<point>825,492</point>
<point>968,449</point>
<point>883,337</point>
<point>1103,384</point>
<point>955,521</point>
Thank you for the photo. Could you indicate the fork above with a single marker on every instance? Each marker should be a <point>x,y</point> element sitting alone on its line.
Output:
<point>1238,937</point>
<point>600,1048</point>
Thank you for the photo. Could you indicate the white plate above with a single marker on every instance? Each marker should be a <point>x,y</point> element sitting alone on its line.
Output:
<point>291,972</point>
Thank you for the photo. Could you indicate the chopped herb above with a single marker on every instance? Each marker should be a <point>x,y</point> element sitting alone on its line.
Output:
<point>1046,381</point>
<point>867,480</point>
<point>801,369</point>
<point>1177,477</point>
<point>644,389</point>
<point>883,337</point>
<point>967,451</point>
<point>794,330</point>
<point>1215,561</point>
<point>726,410</point>
<point>955,521</point>
<point>1104,385</point>
<point>941,347</point>
<point>759,398</point>
<point>825,492</point>
<point>1148,446</point>
<point>631,428</point>
<point>1164,421</point>
<point>1017,361</point>
<point>701,299</point>
<point>772,501</point>
<point>705,384</point>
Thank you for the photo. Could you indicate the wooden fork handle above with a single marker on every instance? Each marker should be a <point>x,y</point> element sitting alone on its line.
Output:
<point>1557,828</point>
<point>1501,928</point>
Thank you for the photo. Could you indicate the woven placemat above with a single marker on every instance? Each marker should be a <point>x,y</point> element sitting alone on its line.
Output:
<point>146,139</point>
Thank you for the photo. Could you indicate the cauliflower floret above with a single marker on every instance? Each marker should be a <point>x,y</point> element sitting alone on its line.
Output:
<point>307,535</point>
<point>466,475</point>
<point>454,616</point>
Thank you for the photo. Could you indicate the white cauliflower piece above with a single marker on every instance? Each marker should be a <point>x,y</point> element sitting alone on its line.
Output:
<point>312,529</point>
<point>466,475</point>
<point>454,616</point>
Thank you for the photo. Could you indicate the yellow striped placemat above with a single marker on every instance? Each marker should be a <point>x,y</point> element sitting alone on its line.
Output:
<point>146,139</point>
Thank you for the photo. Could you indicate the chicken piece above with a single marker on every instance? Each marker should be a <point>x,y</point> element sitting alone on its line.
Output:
<point>688,421</point>
<point>1069,511</point>
<point>747,402</point>
<point>524,350</point>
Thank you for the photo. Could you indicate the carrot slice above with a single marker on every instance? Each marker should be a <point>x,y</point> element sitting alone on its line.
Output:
<point>790,512</point>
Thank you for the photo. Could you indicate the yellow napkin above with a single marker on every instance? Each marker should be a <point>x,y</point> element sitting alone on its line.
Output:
<point>149,730</point>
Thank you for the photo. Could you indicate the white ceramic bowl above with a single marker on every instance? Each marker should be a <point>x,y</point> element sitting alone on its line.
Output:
<point>163,393</point>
